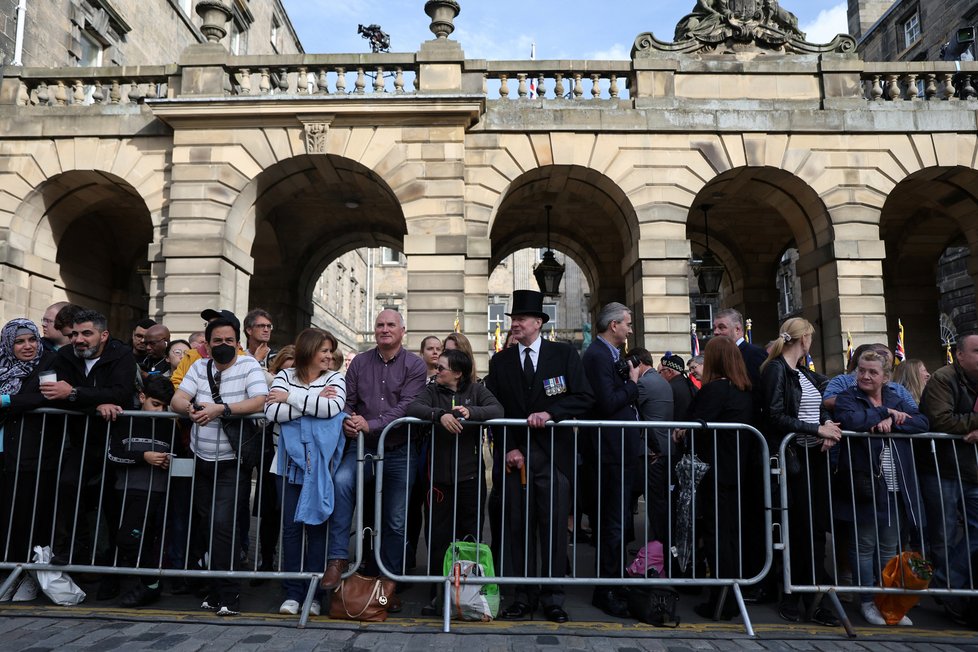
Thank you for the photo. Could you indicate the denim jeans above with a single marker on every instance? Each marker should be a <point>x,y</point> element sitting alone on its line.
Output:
<point>400,471</point>
<point>873,545</point>
<point>294,537</point>
<point>950,549</point>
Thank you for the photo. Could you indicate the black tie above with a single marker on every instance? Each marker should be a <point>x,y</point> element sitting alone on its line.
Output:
<point>528,367</point>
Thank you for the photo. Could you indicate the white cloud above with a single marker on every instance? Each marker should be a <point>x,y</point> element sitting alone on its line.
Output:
<point>616,51</point>
<point>827,24</point>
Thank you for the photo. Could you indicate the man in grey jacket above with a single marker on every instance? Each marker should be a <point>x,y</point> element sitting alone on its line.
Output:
<point>655,404</point>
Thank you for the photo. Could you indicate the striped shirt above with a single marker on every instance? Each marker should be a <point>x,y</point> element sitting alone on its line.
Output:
<point>304,400</point>
<point>809,410</point>
<point>243,380</point>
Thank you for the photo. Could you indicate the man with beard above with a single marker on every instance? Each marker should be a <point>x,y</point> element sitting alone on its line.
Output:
<point>156,339</point>
<point>94,375</point>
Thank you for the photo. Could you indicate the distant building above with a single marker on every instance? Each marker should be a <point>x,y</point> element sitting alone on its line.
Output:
<point>908,30</point>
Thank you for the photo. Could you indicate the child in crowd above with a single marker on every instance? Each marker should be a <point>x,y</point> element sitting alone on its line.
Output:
<point>141,446</point>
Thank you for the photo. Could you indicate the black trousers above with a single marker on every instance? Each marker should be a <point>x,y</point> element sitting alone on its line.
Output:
<point>454,517</point>
<point>137,542</point>
<point>217,486</point>
<point>27,513</point>
<point>85,488</point>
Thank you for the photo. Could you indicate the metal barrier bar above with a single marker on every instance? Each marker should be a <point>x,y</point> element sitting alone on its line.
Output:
<point>870,473</point>
<point>84,485</point>
<point>540,513</point>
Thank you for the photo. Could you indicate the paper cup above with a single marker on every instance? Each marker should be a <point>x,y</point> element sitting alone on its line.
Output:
<point>48,377</point>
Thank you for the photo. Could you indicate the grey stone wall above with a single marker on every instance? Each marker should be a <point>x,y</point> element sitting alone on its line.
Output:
<point>938,20</point>
<point>8,29</point>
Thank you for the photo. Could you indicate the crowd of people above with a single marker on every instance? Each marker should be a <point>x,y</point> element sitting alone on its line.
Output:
<point>866,497</point>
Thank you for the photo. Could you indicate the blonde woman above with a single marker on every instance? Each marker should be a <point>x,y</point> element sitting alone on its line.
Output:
<point>913,375</point>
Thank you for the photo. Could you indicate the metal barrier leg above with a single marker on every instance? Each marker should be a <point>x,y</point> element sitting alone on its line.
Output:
<point>721,601</point>
<point>307,603</point>
<point>748,627</point>
<point>447,607</point>
<point>11,580</point>
<point>833,597</point>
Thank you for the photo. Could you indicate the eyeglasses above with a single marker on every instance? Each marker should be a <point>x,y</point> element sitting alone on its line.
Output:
<point>438,367</point>
<point>263,326</point>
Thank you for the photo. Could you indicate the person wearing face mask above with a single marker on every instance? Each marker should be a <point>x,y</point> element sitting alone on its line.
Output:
<point>239,381</point>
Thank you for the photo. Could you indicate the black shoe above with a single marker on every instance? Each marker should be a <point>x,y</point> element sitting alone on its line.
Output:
<point>606,600</point>
<point>230,606</point>
<point>788,610</point>
<point>555,614</point>
<point>708,610</point>
<point>211,602</point>
<point>140,596</point>
<point>108,588</point>
<point>823,616</point>
<point>759,595</point>
<point>516,611</point>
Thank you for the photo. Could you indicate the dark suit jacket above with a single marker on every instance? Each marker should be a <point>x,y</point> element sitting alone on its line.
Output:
<point>614,400</point>
<point>505,381</point>
<point>754,357</point>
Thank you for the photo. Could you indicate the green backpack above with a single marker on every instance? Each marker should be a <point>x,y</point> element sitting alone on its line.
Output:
<point>464,560</point>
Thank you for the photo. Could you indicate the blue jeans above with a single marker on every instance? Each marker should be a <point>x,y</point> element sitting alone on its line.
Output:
<point>950,549</point>
<point>293,560</point>
<point>869,554</point>
<point>400,471</point>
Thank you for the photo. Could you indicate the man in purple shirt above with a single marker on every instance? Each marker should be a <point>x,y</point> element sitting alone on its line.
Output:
<point>380,384</point>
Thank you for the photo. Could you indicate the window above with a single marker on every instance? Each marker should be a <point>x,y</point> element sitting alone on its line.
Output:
<point>389,256</point>
<point>551,310</point>
<point>497,316</point>
<point>276,31</point>
<point>238,38</point>
<point>91,50</point>
<point>704,318</point>
<point>911,30</point>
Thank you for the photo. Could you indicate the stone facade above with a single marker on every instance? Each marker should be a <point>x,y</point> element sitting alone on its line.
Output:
<point>224,182</point>
<point>889,37</point>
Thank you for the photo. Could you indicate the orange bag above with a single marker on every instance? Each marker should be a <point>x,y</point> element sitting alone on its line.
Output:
<point>908,570</point>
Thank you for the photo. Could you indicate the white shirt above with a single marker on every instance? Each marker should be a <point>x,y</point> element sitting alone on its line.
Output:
<point>534,352</point>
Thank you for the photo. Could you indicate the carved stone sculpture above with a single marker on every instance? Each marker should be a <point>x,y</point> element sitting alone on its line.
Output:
<point>740,25</point>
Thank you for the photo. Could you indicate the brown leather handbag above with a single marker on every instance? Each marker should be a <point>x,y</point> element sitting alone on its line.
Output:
<point>361,598</point>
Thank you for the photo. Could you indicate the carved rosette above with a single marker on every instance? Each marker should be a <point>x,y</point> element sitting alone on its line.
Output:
<point>316,133</point>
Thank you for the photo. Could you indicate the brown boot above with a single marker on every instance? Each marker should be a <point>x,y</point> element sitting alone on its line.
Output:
<point>334,574</point>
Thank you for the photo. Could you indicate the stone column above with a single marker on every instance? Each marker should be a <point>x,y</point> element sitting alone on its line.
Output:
<point>436,286</point>
<point>660,284</point>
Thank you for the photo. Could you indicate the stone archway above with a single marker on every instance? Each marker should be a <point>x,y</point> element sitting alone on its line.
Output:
<point>755,214</point>
<point>96,228</point>
<point>592,222</point>
<point>309,210</point>
<point>925,214</point>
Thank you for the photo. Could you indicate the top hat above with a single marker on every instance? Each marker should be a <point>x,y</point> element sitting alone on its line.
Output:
<point>528,302</point>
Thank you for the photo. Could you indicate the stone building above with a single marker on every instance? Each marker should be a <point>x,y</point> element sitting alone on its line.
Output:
<point>231,181</point>
<point>908,30</point>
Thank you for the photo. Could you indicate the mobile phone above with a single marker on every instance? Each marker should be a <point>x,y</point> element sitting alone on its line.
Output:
<point>196,406</point>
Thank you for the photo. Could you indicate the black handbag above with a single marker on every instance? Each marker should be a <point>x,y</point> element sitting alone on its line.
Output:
<point>245,435</point>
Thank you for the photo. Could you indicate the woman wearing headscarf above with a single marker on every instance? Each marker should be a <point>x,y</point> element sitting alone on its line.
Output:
<point>28,450</point>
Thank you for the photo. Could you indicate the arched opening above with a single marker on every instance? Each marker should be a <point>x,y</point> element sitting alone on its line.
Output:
<point>97,228</point>
<point>592,224</point>
<point>309,211</point>
<point>928,225</point>
<point>762,222</point>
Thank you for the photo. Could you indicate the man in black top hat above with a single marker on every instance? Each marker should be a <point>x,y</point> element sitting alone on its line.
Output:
<point>539,381</point>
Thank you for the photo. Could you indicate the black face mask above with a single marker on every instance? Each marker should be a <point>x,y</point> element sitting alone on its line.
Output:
<point>223,353</point>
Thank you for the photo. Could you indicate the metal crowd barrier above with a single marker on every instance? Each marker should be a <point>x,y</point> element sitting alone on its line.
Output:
<point>59,490</point>
<point>829,503</point>
<point>730,516</point>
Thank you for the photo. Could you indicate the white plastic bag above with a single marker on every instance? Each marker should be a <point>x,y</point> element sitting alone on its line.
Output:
<point>56,584</point>
<point>470,601</point>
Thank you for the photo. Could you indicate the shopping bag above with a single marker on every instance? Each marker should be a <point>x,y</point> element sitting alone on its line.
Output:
<point>650,556</point>
<point>464,560</point>
<point>56,584</point>
<point>908,570</point>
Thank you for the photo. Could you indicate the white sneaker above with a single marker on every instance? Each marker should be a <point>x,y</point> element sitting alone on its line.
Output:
<point>27,590</point>
<point>315,608</point>
<point>872,614</point>
<point>289,608</point>
<point>905,622</point>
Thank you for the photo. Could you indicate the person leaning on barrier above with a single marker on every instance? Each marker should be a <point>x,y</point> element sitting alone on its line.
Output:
<point>141,449</point>
<point>219,480</point>
<point>792,405</point>
<point>616,450</point>
<point>457,495</point>
<point>94,374</point>
<point>301,400</point>
<point>380,384</point>
<point>842,382</point>
<point>725,397</point>
<point>28,455</point>
<point>198,346</point>
<point>948,471</point>
<point>878,489</point>
<point>539,381</point>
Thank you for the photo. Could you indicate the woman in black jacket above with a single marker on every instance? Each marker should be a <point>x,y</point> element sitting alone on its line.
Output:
<point>30,452</point>
<point>793,405</point>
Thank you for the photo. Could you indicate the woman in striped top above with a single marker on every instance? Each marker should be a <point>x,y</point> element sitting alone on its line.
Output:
<point>793,405</point>
<point>308,389</point>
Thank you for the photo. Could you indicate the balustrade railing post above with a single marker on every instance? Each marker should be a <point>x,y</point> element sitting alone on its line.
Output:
<point>595,86</point>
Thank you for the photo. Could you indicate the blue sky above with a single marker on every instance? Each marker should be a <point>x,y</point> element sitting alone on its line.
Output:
<point>504,29</point>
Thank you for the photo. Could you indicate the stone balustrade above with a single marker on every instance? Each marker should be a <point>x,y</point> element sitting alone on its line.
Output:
<point>570,80</point>
<point>86,86</point>
<point>322,75</point>
<point>919,80</point>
